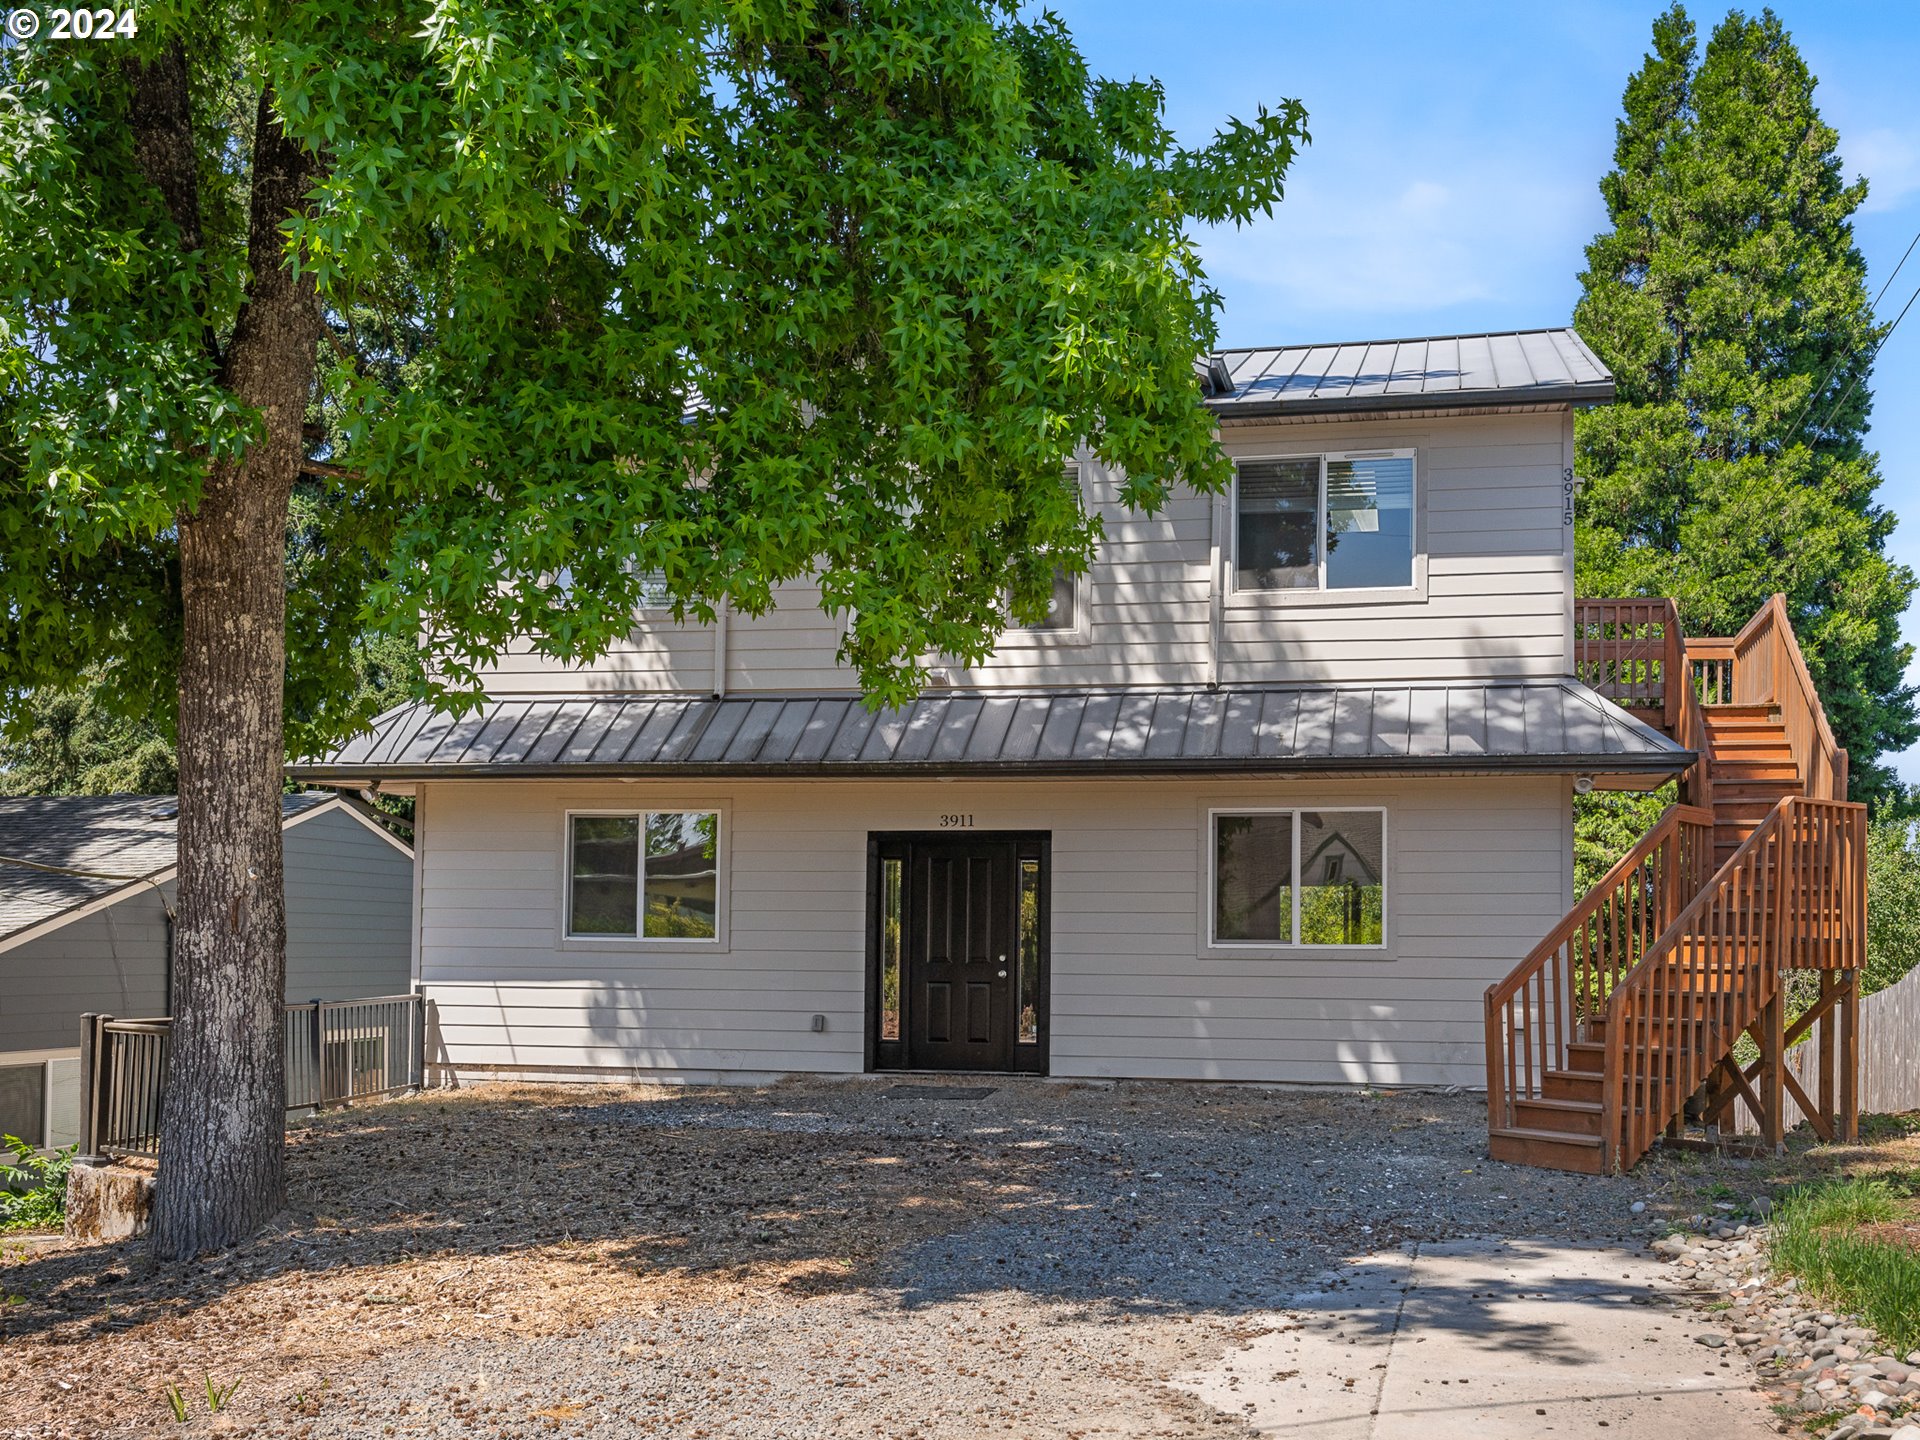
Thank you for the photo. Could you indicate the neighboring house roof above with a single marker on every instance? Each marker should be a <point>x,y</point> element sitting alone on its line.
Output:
<point>1556,726</point>
<point>1447,372</point>
<point>122,840</point>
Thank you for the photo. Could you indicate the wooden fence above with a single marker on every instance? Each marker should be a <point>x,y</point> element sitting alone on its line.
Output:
<point>1889,1057</point>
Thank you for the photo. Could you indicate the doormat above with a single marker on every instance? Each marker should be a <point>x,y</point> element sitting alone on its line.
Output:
<point>937,1092</point>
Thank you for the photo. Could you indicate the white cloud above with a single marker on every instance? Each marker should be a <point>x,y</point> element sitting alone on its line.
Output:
<point>1363,241</point>
<point>1890,159</point>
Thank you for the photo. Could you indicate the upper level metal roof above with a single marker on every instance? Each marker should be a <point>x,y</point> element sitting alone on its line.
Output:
<point>1519,367</point>
<point>1545,725</point>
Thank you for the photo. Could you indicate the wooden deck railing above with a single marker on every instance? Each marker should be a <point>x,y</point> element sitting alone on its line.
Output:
<point>1779,903</point>
<point>1628,650</point>
<point>1634,652</point>
<point>1548,999</point>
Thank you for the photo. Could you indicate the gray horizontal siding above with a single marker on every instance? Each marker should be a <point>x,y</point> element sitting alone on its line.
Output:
<point>1479,870</point>
<point>349,933</point>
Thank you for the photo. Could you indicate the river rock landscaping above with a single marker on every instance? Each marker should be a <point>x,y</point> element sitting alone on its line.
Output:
<point>809,1259</point>
<point>1826,1371</point>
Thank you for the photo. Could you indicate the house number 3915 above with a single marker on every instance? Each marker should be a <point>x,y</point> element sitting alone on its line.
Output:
<point>956,822</point>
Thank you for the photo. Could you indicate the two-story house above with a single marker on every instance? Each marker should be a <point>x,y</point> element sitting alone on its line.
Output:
<point>1274,794</point>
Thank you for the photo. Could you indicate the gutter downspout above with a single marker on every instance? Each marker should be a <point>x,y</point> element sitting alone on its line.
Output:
<point>1216,601</point>
<point>720,650</point>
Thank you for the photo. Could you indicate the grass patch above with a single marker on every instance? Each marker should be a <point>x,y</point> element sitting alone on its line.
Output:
<point>1815,1238</point>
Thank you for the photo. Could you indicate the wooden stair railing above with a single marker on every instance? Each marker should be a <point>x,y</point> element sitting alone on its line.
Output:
<point>1791,897</point>
<point>1766,668</point>
<point>1545,1005</point>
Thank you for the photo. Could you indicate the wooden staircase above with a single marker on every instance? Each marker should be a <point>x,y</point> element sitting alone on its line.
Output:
<point>1752,768</point>
<point>1619,1028</point>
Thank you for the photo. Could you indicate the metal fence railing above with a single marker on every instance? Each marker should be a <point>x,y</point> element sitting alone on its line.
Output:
<point>336,1051</point>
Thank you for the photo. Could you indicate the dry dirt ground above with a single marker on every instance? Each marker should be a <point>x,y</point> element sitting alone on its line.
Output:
<point>808,1259</point>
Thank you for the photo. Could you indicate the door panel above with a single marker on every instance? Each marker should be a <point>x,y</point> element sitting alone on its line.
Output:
<point>960,922</point>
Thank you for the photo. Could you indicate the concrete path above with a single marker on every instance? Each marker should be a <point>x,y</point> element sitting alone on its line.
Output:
<point>1488,1340</point>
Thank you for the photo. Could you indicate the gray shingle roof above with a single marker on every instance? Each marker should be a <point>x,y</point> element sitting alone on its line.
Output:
<point>1440,372</point>
<point>1545,725</point>
<point>111,835</point>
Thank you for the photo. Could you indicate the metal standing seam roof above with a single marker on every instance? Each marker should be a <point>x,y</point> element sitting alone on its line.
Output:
<point>1545,725</point>
<point>115,836</point>
<point>1439,372</point>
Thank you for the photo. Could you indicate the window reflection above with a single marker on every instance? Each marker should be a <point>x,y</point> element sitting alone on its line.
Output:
<point>892,873</point>
<point>1027,982</point>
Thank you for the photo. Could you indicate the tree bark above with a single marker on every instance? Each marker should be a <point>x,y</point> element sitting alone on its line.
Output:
<point>223,1126</point>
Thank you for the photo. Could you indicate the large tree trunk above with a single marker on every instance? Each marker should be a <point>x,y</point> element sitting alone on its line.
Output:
<point>223,1128</point>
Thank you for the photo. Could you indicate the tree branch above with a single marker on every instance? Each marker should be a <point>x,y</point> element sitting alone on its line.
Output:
<point>160,114</point>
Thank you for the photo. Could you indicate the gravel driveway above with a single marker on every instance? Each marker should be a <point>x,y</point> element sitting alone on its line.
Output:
<point>810,1259</point>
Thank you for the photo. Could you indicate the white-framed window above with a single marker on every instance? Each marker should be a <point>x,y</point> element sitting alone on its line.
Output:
<point>1066,617</point>
<point>1063,607</point>
<point>1302,876</point>
<point>643,875</point>
<point>654,594</point>
<point>1336,521</point>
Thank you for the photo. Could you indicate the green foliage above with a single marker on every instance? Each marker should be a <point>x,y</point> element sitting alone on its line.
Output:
<point>1813,1236</point>
<point>77,742</point>
<point>737,294</point>
<point>41,1203</point>
<point>1729,300</point>
<point>1893,903</point>
<point>1606,825</point>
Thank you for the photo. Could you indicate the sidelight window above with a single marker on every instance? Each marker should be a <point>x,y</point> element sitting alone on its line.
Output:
<point>1299,877</point>
<point>652,875</point>
<point>1324,522</point>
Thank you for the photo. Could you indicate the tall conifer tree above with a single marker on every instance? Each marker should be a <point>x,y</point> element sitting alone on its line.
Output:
<point>1730,302</point>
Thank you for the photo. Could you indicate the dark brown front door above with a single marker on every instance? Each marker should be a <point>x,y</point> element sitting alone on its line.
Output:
<point>958,937</point>
<point>960,956</point>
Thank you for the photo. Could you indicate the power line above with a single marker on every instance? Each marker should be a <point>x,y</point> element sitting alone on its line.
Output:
<point>1870,359</point>
<point>1814,394</point>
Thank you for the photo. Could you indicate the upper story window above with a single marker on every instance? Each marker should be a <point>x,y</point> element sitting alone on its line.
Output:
<point>1324,522</point>
<point>1064,605</point>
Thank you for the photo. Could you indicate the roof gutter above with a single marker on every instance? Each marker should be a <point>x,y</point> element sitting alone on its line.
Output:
<point>1670,762</point>
<point>1595,392</point>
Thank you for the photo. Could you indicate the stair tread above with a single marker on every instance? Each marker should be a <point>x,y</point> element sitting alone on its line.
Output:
<point>1554,1102</point>
<point>1555,1137</point>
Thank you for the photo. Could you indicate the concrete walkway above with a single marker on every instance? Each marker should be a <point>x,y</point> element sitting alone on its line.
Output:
<point>1488,1340</point>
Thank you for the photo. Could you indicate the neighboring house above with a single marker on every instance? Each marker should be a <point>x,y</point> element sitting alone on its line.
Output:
<point>102,942</point>
<point>1274,794</point>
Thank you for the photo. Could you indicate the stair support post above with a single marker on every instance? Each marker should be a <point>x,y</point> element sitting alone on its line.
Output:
<point>1849,1118</point>
<point>1773,1094</point>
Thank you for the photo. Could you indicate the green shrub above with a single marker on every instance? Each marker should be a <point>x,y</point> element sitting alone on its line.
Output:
<point>43,1203</point>
<point>1814,1237</point>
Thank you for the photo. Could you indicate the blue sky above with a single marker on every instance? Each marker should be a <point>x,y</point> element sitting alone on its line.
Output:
<point>1452,180</point>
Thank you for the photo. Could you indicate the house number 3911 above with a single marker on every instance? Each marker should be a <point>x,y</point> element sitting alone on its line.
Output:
<point>956,822</point>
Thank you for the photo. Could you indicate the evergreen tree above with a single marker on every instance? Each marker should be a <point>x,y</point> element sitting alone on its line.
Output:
<point>1730,303</point>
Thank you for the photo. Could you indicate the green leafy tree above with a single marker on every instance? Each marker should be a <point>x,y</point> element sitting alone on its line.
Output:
<point>554,297</point>
<point>1729,301</point>
<point>1893,903</point>
<point>73,741</point>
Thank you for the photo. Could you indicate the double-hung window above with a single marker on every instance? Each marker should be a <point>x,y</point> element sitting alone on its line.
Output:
<point>1324,522</point>
<point>649,875</point>
<point>1298,877</point>
<point>1064,605</point>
